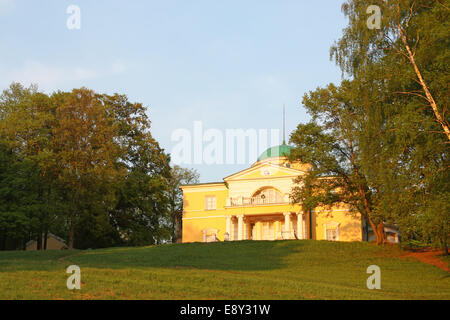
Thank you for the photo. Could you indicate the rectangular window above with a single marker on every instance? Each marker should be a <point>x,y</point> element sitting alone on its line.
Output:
<point>210,203</point>
<point>331,234</point>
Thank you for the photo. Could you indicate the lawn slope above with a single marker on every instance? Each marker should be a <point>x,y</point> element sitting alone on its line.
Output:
<point>230,270</point>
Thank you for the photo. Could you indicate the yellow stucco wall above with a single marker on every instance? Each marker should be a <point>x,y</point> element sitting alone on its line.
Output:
<point>195,216</point>
<point>349,225</point>
<point>192,228</point>
<point>194,198</point>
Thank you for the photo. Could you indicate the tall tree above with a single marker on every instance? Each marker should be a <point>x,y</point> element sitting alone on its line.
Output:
<point>405,138</point>
<point>25,120</point>
<point>331,144</point>
<point>142,201</point>
<point>14,223</point>
<point>416,34</point>
<point>86,152</point>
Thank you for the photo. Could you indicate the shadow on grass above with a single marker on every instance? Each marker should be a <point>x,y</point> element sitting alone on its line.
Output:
<point>33,260</point>
<point>232,256</point>
<point>238,256</point>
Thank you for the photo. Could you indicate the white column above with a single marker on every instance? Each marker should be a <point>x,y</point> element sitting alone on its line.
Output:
<point>305,228</point>
<point>287,225</point>
<point>245,230</point>
<point>228,227</point>
<point>240,226</point>
<point>300,233</point>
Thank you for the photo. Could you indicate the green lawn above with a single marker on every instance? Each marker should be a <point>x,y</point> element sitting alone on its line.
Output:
<point>230,270</point>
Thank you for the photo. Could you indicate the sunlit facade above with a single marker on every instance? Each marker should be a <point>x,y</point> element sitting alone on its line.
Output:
<point>254,204</point>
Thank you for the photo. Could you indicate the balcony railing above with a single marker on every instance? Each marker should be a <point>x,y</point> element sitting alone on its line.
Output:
<point>249,201</point>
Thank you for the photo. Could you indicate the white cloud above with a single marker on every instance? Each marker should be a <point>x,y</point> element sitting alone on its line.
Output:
<point>35,72</point>
<point>48,77</point>
<point>54,77</point>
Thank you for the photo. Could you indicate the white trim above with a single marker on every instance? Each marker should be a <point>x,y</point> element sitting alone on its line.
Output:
<point>228,227</point>
<point>331,211</point>
<point>213,233</point>
<point>240,226</point>
<point>192,218</point>
<point>210,200</point>
<point>331,224</point>
<point>202,210</point>
<point>300,231</point>
<point>205,189</point>
<point>261,205</point>
<point>265,178</point>
<point>235,176</point>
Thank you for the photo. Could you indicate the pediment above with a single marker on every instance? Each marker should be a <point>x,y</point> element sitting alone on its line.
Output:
<point>264,171</point>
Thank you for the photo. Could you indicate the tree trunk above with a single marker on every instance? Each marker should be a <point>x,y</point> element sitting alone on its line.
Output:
<point>445,243</point>
<point>378,231</point>
<point>39,241</point>
<point>428,94</point>
<point>381,234</point>
<point>3,242</point>
<point>45,240</point>
<point>174,227</point>
<point>71,236</point>
<point>180,228</point>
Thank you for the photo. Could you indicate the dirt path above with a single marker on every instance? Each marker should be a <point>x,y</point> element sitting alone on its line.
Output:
<point>70,255</point>
<point>429,256</point>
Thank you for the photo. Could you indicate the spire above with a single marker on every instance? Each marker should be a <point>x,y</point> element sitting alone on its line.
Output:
<point>284,124</point>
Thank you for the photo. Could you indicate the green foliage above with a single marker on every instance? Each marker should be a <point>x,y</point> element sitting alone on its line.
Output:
<point>395,109</point>
<point>331,144</point>
<point>81,165</point>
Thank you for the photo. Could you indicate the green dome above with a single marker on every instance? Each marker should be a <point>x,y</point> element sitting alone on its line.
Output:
<point>278,151</point>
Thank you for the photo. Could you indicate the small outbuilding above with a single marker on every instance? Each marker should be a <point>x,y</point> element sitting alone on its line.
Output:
<point>53,243</point>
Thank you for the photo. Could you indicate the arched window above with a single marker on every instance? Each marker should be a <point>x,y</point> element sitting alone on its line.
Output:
<point>267,195</point>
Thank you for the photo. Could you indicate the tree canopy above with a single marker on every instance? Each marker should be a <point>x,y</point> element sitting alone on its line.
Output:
<point>81,165</point>
<point>382,134</point>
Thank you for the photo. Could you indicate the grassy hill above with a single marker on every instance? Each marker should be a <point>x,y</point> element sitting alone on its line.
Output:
<point>231,270</point>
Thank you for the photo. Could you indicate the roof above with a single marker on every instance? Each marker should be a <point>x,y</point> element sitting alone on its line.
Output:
<point>278,151</point>
<point>258,166</point>
<point>48,235</point>
<point>202,184</point>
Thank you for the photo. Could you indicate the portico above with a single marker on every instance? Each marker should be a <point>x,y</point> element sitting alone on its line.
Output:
<point>272,226</point>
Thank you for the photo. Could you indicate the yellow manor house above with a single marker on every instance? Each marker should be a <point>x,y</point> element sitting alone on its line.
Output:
<point>254,204</point>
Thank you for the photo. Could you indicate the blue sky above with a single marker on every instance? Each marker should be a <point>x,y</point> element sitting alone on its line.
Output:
<point>230,64</point>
